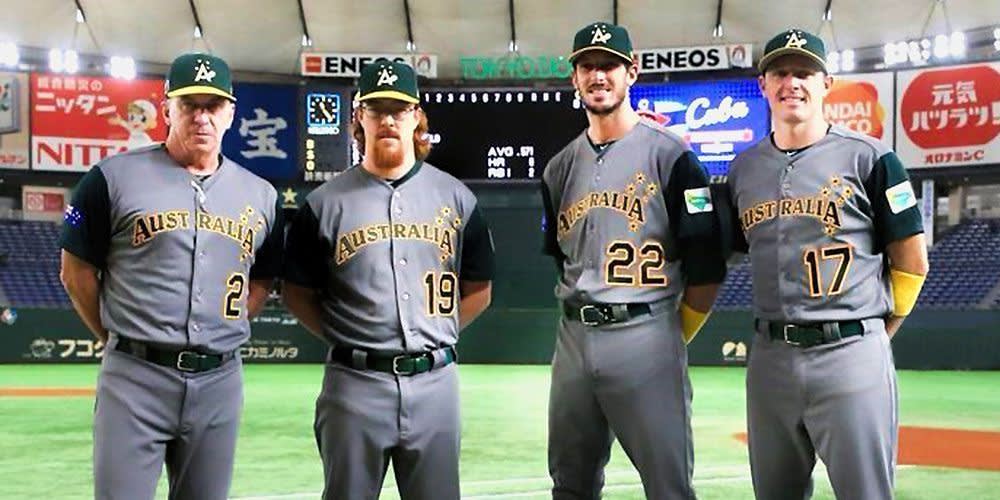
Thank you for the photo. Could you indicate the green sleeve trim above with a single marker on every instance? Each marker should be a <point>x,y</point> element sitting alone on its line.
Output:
<point>686,219</point>
<point>887,180</point>
<point>305,262</point>
<point>478,260</point>
<point>267,261</point>
<point>86,229</point>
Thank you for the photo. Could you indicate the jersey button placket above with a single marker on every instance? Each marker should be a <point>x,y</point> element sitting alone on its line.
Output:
<point>395,255</point>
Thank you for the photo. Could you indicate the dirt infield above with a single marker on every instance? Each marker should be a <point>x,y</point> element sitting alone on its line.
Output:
<point>944,448</point>
<point>45,392</point>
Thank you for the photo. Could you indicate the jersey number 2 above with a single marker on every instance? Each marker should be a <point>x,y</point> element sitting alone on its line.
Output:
<point>623,255</point>
<point>442,293</point>
<point>235,286</point>
<point>811,259</point>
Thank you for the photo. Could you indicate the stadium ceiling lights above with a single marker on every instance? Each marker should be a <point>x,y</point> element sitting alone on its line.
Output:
<point>122,67</point>
<point>837,62</point>
<point>919,52</point>
<point>9,54</point>
<point>64,61</point>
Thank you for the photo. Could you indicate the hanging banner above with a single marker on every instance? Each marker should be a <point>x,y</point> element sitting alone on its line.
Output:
<point>349,65</point>
<point>704,58</point>
<point>42,201</point>
<point>263,135</point>
<point>14,145</point>
<point>927,204</point>
<point>862,103</point>
<point>949,116</point>
<point>77,121</point>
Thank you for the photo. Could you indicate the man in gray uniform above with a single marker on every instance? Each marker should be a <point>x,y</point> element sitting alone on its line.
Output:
<point>630,222</point>
<point>819,208</point>
<point>167,252</point>
<point>387,262</point>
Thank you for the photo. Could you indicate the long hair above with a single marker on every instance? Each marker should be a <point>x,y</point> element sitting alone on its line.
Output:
<point>421,143</point>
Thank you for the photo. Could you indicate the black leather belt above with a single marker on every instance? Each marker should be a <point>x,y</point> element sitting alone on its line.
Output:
<point>604,314</point>
<point>400,364</point>
<point>185,360</point>
<point>813,334</point>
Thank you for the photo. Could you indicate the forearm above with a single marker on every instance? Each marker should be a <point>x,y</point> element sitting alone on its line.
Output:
<point>909,265</point>
<point>701,297</point>
<point>476,297</point>
<point>304,304</point>
<point>85,296</point>
<point>257,297</point>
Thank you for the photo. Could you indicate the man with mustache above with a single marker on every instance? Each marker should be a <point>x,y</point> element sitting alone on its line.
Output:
<point>168,250</point>
<point>630,223</point>
<point>387,262</point>
<point>838,258</point>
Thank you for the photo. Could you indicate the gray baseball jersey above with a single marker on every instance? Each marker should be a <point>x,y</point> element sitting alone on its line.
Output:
<point>388,259</point>
<point>627,222</point>
<point>816,223</point>
<point>175,256</point>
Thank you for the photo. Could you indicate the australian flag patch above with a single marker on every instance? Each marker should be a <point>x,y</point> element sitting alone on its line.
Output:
<point>73,216</point>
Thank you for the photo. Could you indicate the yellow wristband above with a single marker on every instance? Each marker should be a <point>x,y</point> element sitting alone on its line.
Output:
<point>691,321</point>
<point>905,290</point>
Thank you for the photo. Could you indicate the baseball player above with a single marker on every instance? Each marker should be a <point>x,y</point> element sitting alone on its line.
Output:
<point>387,262</point>
<point>630,222</point>
<point>167,252</point>
<point>820,209</point>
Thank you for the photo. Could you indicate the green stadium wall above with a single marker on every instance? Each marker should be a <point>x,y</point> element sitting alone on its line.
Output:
<point>520,325</point>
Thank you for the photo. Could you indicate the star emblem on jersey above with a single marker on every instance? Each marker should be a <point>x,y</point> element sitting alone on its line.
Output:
<point>640,178</point>
<point>834,181</point>
<point>445,211</point>
<point>824,192</point>
<point>601,35</point>
<point>439,221</point>
<point>796,40</point>
<point>456,223</point>
<point>628,202</point>
<point>386,77</point>
<point>203,71</point>
<point>72,215</point>
<point>288,197</point>
<point>651,188</point>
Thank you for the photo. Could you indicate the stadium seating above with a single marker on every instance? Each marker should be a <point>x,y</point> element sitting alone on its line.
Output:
<point>30,276</point>
<point>965,269</point>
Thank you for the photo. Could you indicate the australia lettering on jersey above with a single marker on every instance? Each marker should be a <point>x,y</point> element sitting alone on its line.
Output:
<point>825,206</point>
<point>145,227</point>
<point>441,233</point>
<point>822,208</point>
<point>628,202</point>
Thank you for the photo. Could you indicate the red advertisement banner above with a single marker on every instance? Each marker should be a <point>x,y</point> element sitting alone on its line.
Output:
<point>76,121</point>
<point>949,116</point>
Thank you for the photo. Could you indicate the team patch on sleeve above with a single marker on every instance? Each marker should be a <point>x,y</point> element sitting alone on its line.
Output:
<point>901,197</point>
<point>73,216</point>
<point>698,200</point>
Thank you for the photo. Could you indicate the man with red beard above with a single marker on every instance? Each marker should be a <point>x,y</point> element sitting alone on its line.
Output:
<point>630,223</point>
<point>388,262</point>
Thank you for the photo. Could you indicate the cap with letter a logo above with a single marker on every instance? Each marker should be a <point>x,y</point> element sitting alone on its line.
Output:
<point>602,36</point>
<point>199,73</point>
<point>385,79</point>
<point>794,41</point>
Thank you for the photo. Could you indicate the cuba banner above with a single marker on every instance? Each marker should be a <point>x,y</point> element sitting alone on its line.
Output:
<point>718,118</point>
<point>948,116</point>
<point>14,120</point>
<point>263,136</point>
<point>77,121</point>
<point>863,103</point>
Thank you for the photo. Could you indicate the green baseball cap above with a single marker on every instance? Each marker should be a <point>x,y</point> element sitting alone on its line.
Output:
<point>602,36</point>
<point>794,41</point>
<point>385,79</point>
<point>198,73</point>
